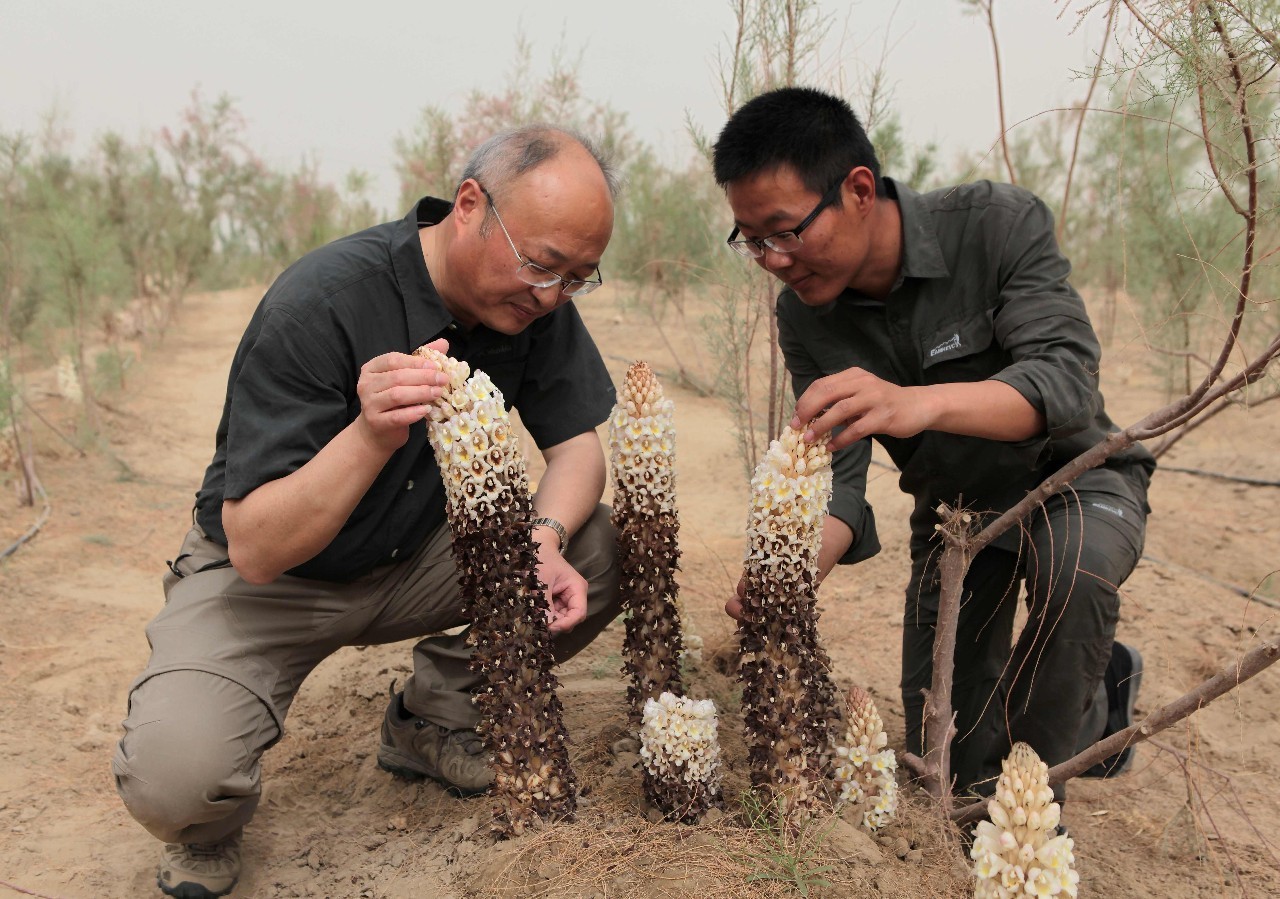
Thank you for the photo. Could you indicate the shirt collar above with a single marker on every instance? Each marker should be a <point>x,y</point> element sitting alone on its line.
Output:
<point>921,255</point>
<point>425,311</point>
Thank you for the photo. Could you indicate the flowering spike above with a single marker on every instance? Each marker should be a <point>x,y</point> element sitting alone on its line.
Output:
<point>488,506</point>
<point>642,455</point>
<point>864,765</point>
<point>1020,850</point>
<point>681,754</point>
<point>789,702</point>
<point>680,772</point>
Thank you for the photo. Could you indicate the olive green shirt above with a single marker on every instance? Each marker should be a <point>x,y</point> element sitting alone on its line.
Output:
<point>982,294</point>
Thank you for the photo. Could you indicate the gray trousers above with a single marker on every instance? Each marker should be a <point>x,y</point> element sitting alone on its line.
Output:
<point>228,657</point>
<point>1046,690</point>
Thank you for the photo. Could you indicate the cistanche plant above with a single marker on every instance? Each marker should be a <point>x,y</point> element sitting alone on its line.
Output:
<point>490,511</point>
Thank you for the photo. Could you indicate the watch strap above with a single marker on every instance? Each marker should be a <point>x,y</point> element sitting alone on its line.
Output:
<point>555,526</point>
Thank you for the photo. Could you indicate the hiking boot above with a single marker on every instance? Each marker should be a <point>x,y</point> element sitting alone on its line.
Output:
<point>200,870</point>
<point>1122,679</point>
<point>415,748</point>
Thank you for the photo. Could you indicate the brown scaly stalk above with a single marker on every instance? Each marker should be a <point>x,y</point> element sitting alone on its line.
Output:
<point>678,736</point>
<point>789,703</point>
<point>490,511</point>
<point>642,457</point>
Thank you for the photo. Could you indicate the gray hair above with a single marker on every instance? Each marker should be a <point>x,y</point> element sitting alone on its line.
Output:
<point>507,155</point>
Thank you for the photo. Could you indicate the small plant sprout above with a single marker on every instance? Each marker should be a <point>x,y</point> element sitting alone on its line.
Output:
<point>489,510</point>
<point>642,455</point>
<point>788,700</point>
<point>864,765</point>
<point>1019,851</point>
<point>681,754</point>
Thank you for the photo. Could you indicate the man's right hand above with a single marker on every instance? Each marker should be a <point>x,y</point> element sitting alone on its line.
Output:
<point>396,390</point>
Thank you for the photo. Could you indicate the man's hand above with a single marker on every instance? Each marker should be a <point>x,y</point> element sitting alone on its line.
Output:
<point>865,405</point>
<point>566,590</point>
<point>733,608</point>
<point>396,390</point>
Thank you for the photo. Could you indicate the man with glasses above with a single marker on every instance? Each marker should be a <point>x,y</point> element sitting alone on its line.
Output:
<point>943,326</point>
<point>321,522</point>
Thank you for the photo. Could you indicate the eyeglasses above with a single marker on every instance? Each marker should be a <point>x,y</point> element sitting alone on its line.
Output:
<point>536,275</point>
<point>783,241</point>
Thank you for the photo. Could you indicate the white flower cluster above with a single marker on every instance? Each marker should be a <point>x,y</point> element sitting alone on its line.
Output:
<point>678,741</point>
<point>1016,852</point>
<point>865,766</point>
<point>477,452</point>
<point>642,442</point>
<point>789,494</point>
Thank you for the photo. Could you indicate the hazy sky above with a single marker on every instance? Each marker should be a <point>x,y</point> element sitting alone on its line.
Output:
<point>339,80</point>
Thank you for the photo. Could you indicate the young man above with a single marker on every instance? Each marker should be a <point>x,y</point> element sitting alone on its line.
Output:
<point>943,325</point>
<point>321,522</point>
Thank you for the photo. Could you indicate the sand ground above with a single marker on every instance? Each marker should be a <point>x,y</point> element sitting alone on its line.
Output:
<point>1198,816</point>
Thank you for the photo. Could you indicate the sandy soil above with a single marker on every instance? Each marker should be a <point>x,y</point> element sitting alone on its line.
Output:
<point>1198,817</point>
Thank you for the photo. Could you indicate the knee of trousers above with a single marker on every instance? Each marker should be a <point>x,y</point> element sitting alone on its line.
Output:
<point>190,753</point>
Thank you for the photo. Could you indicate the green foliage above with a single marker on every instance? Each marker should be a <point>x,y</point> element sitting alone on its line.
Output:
<point>789,856</point>
<point>110,367</point>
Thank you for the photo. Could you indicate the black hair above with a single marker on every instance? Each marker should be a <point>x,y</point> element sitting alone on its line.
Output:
<point>814,133</point>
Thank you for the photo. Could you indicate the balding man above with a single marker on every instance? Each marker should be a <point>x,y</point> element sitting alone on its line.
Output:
<point>321,521</point>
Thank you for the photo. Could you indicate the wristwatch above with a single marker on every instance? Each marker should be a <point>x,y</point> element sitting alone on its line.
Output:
<point>555,526</point>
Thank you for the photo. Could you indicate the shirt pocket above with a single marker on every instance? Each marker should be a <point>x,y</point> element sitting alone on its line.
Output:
<point>960,350</point>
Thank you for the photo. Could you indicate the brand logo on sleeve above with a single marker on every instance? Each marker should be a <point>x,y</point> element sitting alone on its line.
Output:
<point>1119,513</point>
<point>952,343</point>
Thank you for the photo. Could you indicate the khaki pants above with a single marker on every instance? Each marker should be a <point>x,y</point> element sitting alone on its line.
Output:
<point>228,657</point>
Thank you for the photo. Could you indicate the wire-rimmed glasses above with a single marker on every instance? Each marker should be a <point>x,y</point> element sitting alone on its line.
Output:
<point>537,275</point>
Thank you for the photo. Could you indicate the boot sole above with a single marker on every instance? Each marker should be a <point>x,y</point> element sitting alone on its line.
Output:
<point>189,890</point>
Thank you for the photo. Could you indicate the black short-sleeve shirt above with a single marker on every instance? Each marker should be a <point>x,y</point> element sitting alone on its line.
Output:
<point>292,386</point>
<point>983,294</point>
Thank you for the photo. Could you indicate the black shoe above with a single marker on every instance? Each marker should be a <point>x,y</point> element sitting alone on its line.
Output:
<point>1122,679</point>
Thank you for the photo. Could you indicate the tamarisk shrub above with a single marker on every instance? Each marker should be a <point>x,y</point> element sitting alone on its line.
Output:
<point>1019,851</point>
<point>489,510</point>
<point>788,700</point>
<point>642,456</point>
<point>864,765</point>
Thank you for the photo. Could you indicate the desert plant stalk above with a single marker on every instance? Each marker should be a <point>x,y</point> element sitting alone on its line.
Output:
<point>1020,851</point>
<point>489,511</point>
<point>864,765</point>
<point>642,456</point>
<point>788,700</point>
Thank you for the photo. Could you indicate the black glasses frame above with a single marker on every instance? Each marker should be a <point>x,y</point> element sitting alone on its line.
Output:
<point>754,247</point>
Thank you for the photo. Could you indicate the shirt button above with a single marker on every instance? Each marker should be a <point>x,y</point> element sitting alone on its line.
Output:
<point>395,552</point>
<point>409,485</point>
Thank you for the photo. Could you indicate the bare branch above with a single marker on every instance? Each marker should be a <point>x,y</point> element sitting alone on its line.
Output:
<point>1075,144</point>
